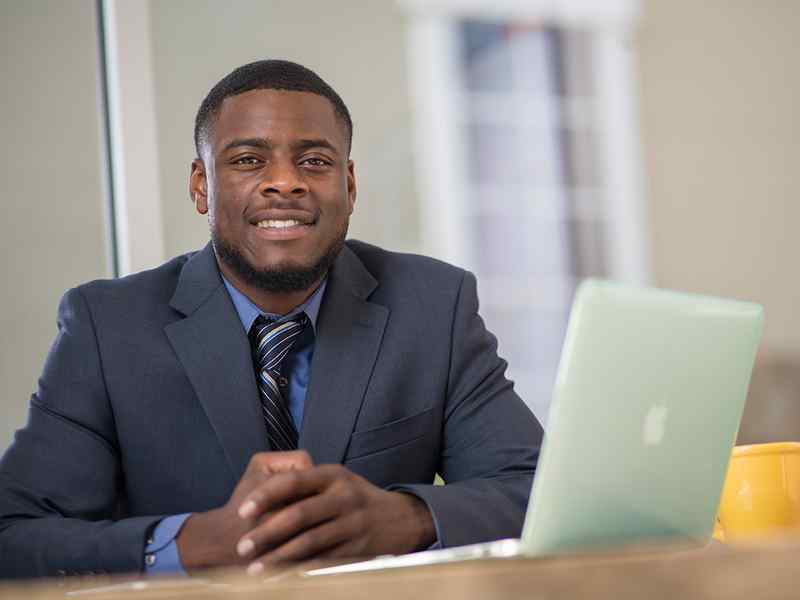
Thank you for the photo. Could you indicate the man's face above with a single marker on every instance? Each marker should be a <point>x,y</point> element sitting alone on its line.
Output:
<point>277,185</point>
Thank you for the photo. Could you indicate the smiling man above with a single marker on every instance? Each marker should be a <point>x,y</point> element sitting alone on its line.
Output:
<point>275,236</point>
<point>280,395</point>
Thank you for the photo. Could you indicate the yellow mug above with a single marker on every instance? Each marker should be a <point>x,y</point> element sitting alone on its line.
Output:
<point>761,496</point>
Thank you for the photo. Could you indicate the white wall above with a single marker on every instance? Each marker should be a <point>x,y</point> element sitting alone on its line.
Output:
<point>51,185</point>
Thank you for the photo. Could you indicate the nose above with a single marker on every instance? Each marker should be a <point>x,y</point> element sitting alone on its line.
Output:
<point>282,177</point>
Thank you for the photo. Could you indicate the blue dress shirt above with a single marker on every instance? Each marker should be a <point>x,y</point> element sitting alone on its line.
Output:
<point>161,552</point>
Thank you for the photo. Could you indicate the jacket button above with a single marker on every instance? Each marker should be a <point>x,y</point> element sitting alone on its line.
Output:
<point>150,559</point>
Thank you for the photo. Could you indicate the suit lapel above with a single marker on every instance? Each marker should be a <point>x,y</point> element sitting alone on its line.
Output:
<point>349,332</point>
<point>212,347</point>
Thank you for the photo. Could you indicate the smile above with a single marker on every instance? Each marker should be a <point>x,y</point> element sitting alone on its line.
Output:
<point>278,224</point>
<point>282,229</point>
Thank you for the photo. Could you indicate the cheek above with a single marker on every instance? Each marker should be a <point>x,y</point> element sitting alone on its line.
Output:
<point>223,209</point>
<point>340,205</point>
<point>338,213</point>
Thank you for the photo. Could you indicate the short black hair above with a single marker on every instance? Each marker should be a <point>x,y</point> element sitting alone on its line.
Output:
<point>267,75</point>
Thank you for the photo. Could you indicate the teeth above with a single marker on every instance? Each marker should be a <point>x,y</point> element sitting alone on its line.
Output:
<point>272,223</point>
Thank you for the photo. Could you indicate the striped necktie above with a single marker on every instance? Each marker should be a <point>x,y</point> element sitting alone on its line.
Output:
<point>271,342</point>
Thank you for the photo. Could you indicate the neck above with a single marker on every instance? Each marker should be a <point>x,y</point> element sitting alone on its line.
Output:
<point>277,303</point>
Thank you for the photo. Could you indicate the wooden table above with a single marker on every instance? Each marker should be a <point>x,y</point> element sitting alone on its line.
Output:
<point>754,573</point>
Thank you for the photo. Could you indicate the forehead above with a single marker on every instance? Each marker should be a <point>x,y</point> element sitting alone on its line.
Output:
<point>277,115</point>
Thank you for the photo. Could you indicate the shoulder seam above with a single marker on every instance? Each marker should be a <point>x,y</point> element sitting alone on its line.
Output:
<point>452,330</point>
<point>99,361</point>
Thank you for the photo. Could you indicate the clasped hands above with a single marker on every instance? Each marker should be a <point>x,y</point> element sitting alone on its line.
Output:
<point>285,509</point>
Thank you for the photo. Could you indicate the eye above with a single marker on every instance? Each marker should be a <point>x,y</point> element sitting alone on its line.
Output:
<point>246,160</point>
<point>315,161</point>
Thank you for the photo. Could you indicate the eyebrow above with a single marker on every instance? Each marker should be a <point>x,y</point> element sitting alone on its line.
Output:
<point>266,144</point>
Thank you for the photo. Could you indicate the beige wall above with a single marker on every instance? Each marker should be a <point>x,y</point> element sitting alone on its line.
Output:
<point>51,189</point>
<point>720,93</point>
<point>357,46</point>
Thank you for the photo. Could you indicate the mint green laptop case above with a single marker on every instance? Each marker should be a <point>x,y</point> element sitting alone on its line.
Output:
<point>647,403</point>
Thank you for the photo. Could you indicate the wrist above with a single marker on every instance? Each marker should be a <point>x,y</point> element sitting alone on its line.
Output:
<point>422,529</point>
<point>196,543</point>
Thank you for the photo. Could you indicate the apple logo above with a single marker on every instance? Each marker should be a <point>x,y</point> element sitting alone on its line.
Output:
<point>655,425</point>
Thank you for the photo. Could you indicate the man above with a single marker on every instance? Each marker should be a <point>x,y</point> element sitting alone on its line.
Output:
<point>279,395</point>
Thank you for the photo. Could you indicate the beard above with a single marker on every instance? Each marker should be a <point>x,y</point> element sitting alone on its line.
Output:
<point>280,278</point>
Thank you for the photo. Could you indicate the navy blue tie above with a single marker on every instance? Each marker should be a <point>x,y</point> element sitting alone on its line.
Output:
<point>271,342</point>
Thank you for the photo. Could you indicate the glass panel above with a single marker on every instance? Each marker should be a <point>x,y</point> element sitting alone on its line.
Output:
<point>492,152</point>
<point>521,246</point>
<point>534,342</point>
<point>589,251</point>
<point>486,56</point>
<point>535,51</point>
<point>581,170</point>
<point>536,214</point>
<point>578,72</point>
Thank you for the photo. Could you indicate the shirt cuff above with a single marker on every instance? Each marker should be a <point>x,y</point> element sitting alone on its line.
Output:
<point>407,490</point>
<point>161,553</point>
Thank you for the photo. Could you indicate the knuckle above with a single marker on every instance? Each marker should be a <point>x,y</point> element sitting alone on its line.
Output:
<point>346,492</point>
<point>332,471</point>
<point>258,465</point>
<point>304,458</point>
<point>349,493</point>
<point>258,459</point>
<point>338,488</point>
<point>359,521</point>
<point>292,478</point>
<point>349,502</point>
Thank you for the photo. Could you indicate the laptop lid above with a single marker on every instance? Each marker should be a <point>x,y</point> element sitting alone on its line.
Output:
<point>647,403</point>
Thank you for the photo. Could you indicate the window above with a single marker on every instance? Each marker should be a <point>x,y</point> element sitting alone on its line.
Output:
<point>526,141</point>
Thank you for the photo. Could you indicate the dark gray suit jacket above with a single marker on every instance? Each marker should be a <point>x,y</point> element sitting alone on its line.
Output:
<point>148,407</point>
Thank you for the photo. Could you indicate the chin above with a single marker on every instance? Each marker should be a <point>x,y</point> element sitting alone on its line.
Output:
<point>278,262</point>
<point>284,266</point>
<point>277,276</point>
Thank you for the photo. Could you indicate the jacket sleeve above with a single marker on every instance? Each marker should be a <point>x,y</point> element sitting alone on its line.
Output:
<point>61,481</point>
<point>491,440</point>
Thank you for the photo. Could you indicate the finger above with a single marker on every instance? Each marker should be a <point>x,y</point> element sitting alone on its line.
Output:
<point>344,550</point>
<point>327,537</point>
<point>284,488</point>
<point>351,549</point>
<point>287,523</point>
<point>277,462</point>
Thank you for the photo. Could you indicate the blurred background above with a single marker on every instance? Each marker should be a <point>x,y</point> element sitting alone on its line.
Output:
<point>534,142</point>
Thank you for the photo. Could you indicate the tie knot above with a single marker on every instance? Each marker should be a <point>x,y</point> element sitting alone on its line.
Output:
<point>263,325</point>
<point>272,339</point>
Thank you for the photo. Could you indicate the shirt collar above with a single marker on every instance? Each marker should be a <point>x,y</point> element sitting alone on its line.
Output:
<point>249,312</point>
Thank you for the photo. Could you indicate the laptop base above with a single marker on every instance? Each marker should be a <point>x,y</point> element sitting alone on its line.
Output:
<point>508,548</point>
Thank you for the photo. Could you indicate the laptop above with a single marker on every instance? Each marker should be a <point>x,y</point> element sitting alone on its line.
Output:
<point>647,402</point>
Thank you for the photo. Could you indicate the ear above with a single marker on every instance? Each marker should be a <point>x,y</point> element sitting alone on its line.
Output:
<point>351,186</point>
<point>198,186</point>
